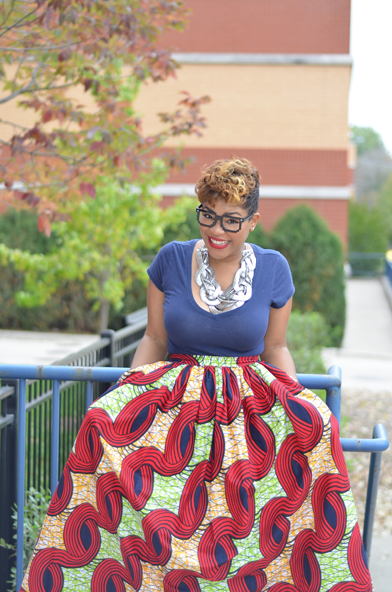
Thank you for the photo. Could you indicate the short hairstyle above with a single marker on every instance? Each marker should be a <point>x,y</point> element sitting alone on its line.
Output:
<point>235,180</point>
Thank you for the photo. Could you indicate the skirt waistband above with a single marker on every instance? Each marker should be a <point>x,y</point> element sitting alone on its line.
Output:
<point>219,361</point>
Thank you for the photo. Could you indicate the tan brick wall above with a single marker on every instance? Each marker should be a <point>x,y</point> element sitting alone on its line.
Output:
<point>259,106</point>
<point>27,117</point>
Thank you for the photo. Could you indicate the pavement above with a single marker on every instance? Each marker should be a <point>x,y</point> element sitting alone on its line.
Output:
<point>31,347</point>
<point>366,362</point>
<point>366,354</point>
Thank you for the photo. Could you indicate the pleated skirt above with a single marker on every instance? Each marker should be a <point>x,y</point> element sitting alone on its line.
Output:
<point>203,473</point>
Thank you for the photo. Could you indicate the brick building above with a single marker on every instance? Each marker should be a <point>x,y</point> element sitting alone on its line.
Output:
<point>278,73</point>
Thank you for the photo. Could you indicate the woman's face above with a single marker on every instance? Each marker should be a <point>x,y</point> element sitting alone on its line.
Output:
<point>220,243</point>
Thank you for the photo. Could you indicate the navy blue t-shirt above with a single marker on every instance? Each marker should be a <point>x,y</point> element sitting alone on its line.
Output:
<point>238,332</point>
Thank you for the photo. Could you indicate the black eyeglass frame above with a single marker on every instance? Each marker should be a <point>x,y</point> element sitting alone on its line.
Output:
<point>199,210</point>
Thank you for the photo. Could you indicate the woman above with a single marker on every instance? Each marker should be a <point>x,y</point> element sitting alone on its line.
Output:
<point>215,470</point>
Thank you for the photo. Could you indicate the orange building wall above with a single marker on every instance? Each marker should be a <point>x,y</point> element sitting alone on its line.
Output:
<point>334,212</point>
<point>290,120</point>
<point>265,26</point>
<point>276,167</point>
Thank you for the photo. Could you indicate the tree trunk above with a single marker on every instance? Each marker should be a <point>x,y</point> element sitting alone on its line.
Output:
<point>104,315</point>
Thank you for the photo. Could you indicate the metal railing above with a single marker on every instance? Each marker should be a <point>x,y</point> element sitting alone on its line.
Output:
<point>388,270</point>
<point>330,382</point>
<point>41,469</point>
<point>367,264</point>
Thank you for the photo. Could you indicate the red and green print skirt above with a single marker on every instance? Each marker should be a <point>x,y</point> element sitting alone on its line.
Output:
<point>203,474</point>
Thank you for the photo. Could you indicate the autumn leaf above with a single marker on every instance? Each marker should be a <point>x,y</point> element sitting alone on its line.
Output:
<point>87,188</point>
<point>104,48</point>
<point>43,224</point>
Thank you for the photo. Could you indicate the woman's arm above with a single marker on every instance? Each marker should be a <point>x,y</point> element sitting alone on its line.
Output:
<point>153,346</point>
<point>275,347</point>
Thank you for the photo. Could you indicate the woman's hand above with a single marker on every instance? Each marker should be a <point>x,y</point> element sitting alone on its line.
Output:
<point>153,346</point>
<point>275,347</point>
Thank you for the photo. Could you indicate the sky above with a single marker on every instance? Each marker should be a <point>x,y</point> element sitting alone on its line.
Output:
<point>370,102</point>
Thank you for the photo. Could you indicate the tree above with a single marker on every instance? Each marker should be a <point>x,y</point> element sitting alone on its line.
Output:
<point>50,50</point>
<point>366,139</point>
<point>367,229</point>
<point>102,245</point>
<point>384,203</point>
<point>315,256</point>
<point>374,164</point>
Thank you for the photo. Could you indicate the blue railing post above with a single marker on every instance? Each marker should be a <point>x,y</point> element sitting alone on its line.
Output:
<point>89,394</point>
<point>21,481</point>
<point>334,392</point>
<point>54,469</point>
<point>372,490</point>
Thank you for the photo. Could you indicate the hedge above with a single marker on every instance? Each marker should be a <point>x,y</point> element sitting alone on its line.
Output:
<point>315,256</point>
<point>314,253</point>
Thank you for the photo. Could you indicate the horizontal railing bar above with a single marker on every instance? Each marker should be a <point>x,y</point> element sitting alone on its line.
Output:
<point>360,255</point>
<point>364,445</point>
<point>6,391</point>
<point>127,349</point>
<point>61,372</point>
<point>89,349</point>
<point>134,317</point>
<point>130,330</point>
<point>6,420</point>
<point>103,362</point>
<point>377,444</point>
<point>48,395</point>
<point>315,381</point>
<point>319,381</point>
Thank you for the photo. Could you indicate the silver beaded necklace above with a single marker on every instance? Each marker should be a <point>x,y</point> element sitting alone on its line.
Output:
<point>236,294</point>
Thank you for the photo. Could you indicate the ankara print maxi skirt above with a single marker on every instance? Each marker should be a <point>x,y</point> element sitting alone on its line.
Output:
<point>203,474</point>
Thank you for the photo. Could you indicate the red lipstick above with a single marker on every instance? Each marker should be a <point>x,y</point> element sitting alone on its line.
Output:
<point>216,246</point>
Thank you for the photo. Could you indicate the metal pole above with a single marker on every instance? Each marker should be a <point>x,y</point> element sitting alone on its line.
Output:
<point>21,481</point>
<point>371,497</point>
<point>111,335</point>
<point>334,393</point>
<point>54,469</point>
<point>89,394</point>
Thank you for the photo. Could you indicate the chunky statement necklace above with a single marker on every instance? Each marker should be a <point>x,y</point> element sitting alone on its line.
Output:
<point>236,294</point>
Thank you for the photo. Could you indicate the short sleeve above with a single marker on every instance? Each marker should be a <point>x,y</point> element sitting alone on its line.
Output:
<point>156,269</point>
<point>283,283</point>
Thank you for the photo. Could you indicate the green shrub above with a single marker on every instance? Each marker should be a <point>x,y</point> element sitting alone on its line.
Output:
<point>259,237</point>
<point>367,229</point>
<point>307,334</point>
<point>36,507</point>
<point>18,230</point>
<point>67,310</point>
<point>315,256</point>
<point>185,230</point>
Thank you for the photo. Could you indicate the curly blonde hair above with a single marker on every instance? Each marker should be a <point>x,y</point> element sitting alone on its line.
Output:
<point>235,180</point>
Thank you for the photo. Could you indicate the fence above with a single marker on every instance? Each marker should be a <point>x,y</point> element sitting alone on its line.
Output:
<point>388,270</point>
<point>367,264</point>
<point>43,403</point>
<point>58,374</point>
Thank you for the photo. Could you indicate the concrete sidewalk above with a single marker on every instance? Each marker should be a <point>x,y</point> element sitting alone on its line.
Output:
<point>366,363</point>
<point>32,347</point>
<point>366,355</point>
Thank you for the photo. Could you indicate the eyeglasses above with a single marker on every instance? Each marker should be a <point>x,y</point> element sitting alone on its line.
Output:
<point>228,223</point>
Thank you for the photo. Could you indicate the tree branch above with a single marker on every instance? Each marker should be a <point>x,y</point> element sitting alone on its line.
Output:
<point>25,89</point>
<point>19,21</point>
